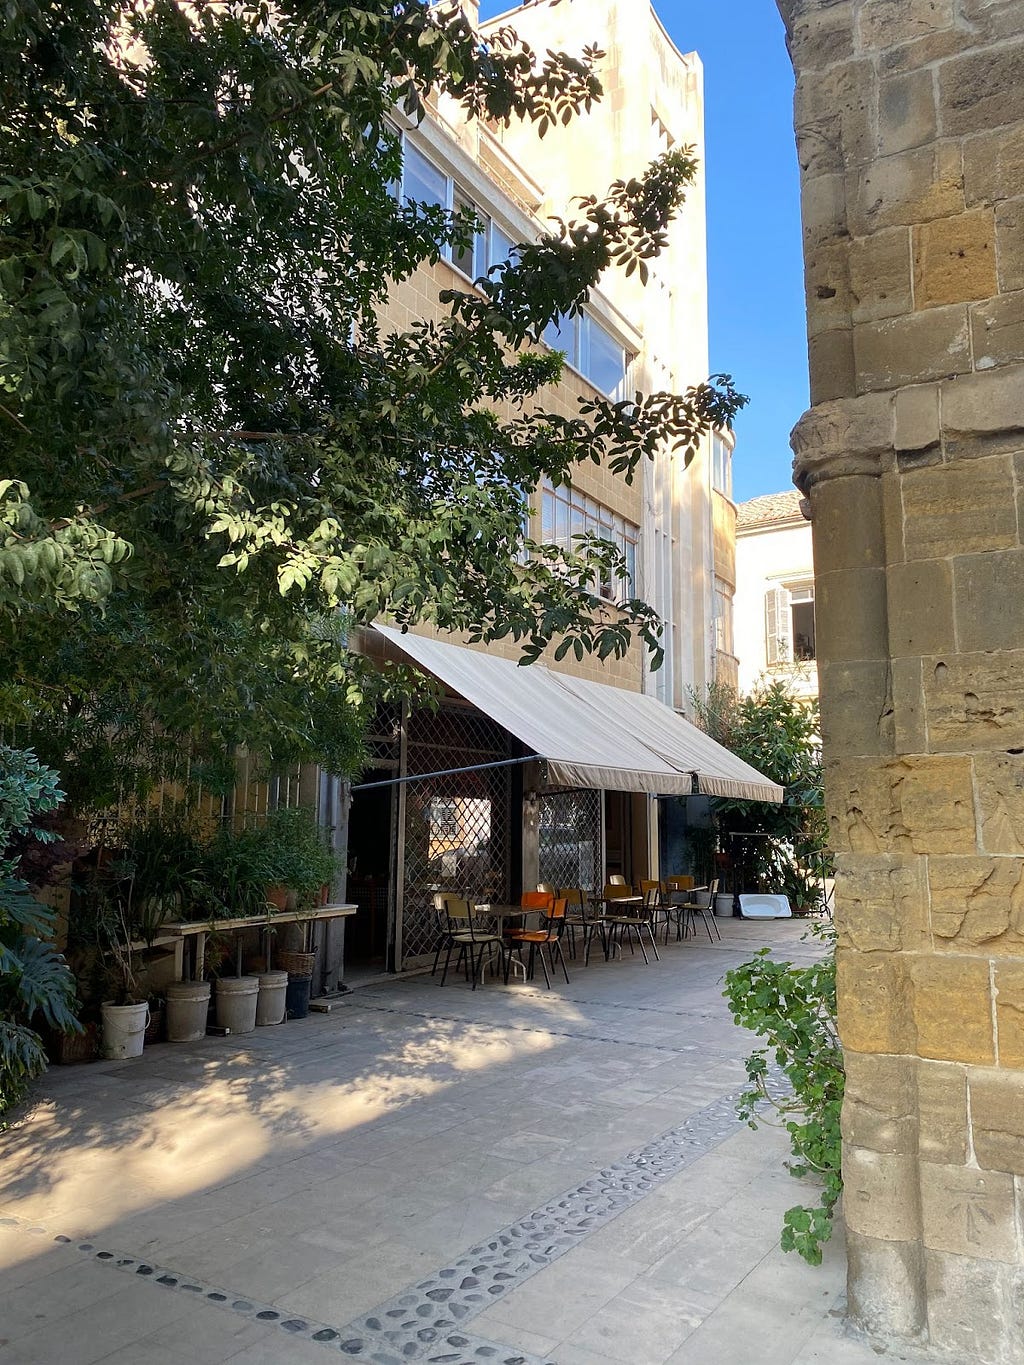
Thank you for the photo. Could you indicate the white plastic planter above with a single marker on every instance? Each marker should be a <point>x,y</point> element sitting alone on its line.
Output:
<point>270,1005</point>
<point>124,1030</point>
<point>188,1003</point>
<point>237,997</point>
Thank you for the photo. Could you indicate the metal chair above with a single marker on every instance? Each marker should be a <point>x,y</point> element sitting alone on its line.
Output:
<point>655,903</point>
<point>677,886</point>
<point>626,923</point>
<point>577,917</point>
<point>537,939</point>
<point>703,907</point>
<point>617,879</point>
<point>470,940</point>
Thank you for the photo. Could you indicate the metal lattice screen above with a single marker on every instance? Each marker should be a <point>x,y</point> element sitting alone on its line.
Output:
<point>457,831</point>
<point>570,838</point>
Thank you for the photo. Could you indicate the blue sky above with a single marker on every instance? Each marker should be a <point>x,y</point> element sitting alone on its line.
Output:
<point>755,265</point>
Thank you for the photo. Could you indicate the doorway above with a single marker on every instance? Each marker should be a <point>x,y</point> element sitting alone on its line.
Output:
<point>370,853</point>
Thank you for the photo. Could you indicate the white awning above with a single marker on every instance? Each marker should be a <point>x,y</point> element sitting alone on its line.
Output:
<point>590,734</point>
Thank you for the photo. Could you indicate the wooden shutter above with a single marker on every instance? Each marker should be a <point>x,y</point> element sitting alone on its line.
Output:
<point>778,626</point>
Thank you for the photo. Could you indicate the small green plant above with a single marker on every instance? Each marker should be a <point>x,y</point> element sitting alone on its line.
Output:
<point>297,853</point>
<point>794,1008</point>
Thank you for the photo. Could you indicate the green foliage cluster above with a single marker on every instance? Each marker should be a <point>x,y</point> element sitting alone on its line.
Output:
<point>34,979</point>
<point>217,460</point>
<point>794,1008</point>
<point>778,733</point>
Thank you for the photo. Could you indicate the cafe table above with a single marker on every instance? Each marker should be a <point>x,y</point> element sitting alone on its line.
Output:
<point>504,915</point>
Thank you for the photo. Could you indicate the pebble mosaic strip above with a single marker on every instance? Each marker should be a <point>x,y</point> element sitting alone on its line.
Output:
<point>412,1323</point>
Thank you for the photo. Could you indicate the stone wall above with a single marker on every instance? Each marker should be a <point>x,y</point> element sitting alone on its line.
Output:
<point>910,133</point>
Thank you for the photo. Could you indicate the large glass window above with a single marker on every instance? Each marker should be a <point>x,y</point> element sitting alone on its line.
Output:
<point>721,465</point>
<point>421,179</point>
<point>566,513</point>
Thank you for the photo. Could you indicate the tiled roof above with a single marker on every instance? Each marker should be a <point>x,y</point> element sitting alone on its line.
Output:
<point>771,507</point>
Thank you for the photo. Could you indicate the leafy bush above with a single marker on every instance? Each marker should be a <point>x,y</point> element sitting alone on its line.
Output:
<point>795,1009</point>
<point>34,977</point>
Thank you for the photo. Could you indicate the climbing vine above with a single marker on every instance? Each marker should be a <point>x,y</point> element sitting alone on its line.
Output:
<point>794,1008</point>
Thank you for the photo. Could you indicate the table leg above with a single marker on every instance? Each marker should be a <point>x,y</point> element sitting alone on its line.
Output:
<point>200,955</point>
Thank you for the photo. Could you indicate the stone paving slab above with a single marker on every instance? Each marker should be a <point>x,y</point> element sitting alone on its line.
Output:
<point>506,1175</point>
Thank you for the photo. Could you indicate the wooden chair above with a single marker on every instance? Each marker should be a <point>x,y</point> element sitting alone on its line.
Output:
<point>537,939</point>
<point>628,922</point>
<point>471,941</point>
<point>577,916</point>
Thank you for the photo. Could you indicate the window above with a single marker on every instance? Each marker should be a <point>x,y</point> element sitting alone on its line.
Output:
<point>567,513</point>
<point>723,622</point>
<point>426,183</point>
<point>421,179</point>
<point>589,348</point>
<point>789,624</point>
<point>721,465</point>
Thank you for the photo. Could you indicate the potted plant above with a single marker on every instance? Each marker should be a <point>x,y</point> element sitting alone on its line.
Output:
<point>238,871</point>
<point>298,855</point>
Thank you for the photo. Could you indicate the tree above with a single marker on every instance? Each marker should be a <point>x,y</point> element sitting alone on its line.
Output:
<point>215,458</point>
<point>777,733</point>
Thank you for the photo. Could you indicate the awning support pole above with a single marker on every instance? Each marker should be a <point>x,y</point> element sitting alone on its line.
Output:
<point>447,772</point>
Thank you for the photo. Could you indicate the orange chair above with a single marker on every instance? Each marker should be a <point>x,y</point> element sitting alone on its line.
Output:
<point>550,936</point>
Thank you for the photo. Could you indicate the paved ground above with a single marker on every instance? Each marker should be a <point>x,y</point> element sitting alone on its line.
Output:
<point>509,1175</point>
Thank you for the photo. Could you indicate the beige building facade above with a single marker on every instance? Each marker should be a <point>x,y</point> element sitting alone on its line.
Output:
<point>675,526</point>
<point>910,125</point>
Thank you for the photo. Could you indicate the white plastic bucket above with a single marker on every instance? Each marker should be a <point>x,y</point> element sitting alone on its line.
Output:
<point>188,1003</point>
<point>236,1003</point>
<point>271,1003</point>
<point>124,1030</point>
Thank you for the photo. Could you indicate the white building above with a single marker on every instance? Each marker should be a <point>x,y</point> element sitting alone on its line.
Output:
<point>774,607</point>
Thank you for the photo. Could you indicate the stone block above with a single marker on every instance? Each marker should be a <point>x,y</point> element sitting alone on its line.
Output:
<point>847,521</point>
<point>920,610</point>
<point>823,206</point>
<point>911,350</point>
<point>908,188</point>
<point>973,1308</point>
<point>977,902</point>
<point>993,164</point>
<point>999,788</point>
<point>906,112</point>
<point>935,797</point>
<point>884,23</point>
<point>830,361</point>
<point>1009,217</point>
<point>968,1212</point>
<point>997,1119</point>
<point>942,1112</point>
<point>975,702</point>
<point>856,707</point>
<point>917,418</point>
<point>880,1103</point>
<point>826,286</point>
<point>1009,995</point>
<point>880,1194</point>
<point>882,903</point>
<point>885,1286</point>
<point>983,587</point>
<point>952,1008</point>
<point>881,275</point>
<point>875,1013</point>
<point>911,732</point>
<point>859,798</point>
<point>997,330</point>
<point>833,114</point>
<point>981,90</point>
<point>850,616</point>
<point>984,405</point>
<point>822,38</point>
<point>922,52</point>
<point>955,259</point>
<point>962,508</point>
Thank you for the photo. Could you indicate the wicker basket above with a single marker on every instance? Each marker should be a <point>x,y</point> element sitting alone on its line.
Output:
<point>155,1030</point>
<point>67,1048</point>
<point>297,964</point>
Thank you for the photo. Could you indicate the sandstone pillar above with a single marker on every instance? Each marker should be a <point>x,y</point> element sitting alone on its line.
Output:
<point>910,131</point>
